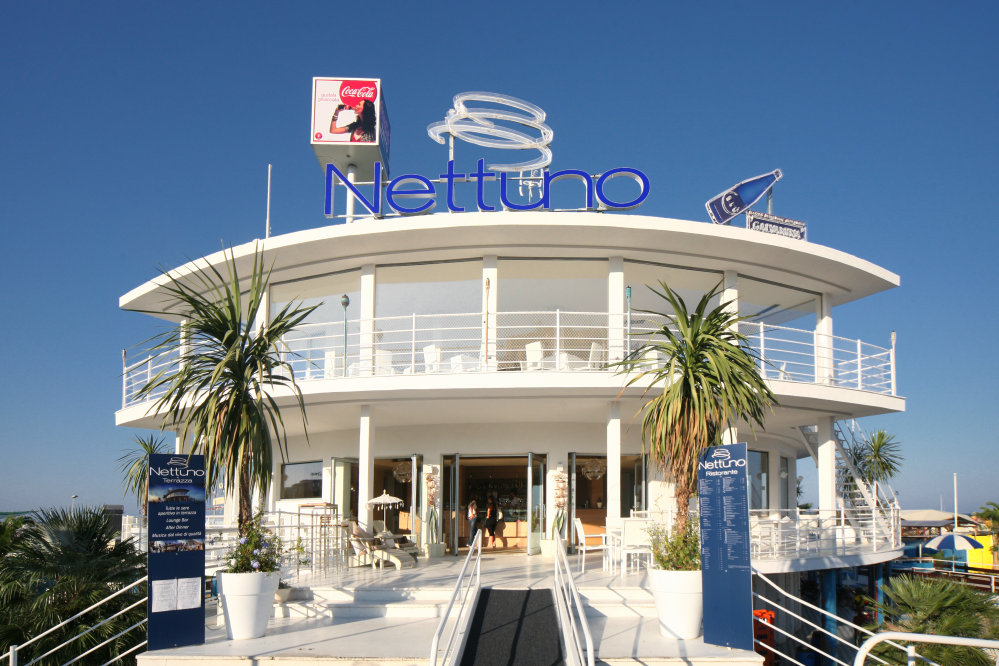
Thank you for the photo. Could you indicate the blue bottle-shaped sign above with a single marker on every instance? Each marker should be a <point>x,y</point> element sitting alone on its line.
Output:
<point>734,201</point>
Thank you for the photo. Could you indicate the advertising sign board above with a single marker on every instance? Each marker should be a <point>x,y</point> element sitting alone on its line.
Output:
<point>723,208</point>
<point>350,124</point>
<point>176,514</point>
<point>726,571</point>
<point>778,226</point>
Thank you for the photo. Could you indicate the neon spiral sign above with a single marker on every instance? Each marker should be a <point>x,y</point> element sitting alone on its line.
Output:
<point>475,126</point>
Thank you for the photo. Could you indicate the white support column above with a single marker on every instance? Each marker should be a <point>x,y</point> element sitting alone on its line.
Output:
<point>490,297</point>
<point>614,464</point>
<point>616,307</point>
<point>827,467</point>
<point>365,467</point>
<point>730,292</point>
<point>773,482</point>
<point>367,318</point>
<point>274,492</point>
<point>824,341</point>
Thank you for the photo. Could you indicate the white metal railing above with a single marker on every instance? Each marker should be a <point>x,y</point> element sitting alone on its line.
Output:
<point>798,533</point>
<point>12,654</point>
<point>472,586</point>
<point>539,341</point>
<point>910,650</point>
<point>570,608</point>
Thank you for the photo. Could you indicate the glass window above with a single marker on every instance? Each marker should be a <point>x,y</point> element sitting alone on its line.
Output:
<point>759,464</point>
<point>777,305</point>
<point>326,292</point>
<point>426,289</point>
<point>546,285</point>
<point>785,484</point>
<point>302,480</point>
<point>691,285</point>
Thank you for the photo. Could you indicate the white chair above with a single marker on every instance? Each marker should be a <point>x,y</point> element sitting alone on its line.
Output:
<point>383,362</point>
<point>583,548</point>
<point>329,365</point>
<point>463,363</point>
<point>635,541</point>
<point>431,358</point>
<point>535,353</point>
<point>598,356</point>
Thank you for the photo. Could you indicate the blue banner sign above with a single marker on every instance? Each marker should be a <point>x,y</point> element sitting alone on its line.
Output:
<point>726,571</point>
<point>176,514</point>
<point>730,203</point>
<point>778,226</point>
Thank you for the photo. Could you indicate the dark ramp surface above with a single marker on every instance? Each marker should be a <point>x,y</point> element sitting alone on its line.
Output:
<point>514,628</point>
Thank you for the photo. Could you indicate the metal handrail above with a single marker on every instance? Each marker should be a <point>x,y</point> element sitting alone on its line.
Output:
<point>476,551</point>
<point>911,655</point>
<point>12,652</point>
<point>569,601</point>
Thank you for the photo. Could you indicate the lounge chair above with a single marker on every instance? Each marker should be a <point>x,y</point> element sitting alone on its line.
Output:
<point>367,553</point>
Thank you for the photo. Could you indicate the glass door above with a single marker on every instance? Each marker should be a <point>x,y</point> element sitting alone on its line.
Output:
<point>345,480</point>
<point>571,531</point>
<point>536,469</point>
<point>416,494</point>
<point>451,514</point>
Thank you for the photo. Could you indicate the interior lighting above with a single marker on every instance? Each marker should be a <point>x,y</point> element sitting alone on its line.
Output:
<point>594,469</point>
<point>403,472</point>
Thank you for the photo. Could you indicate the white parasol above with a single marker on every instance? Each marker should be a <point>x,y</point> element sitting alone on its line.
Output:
<point>385,501</point>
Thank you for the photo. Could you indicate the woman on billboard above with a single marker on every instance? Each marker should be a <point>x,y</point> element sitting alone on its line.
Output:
<point>361,126</point>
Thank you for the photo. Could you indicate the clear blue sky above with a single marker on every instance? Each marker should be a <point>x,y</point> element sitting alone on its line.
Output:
<point>135,134</point>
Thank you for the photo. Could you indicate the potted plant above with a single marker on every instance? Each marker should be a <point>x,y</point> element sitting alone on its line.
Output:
<point>708,378</point>
<point>548,545</point>
<point>675,580</point>
<point>250,581</point>
<point>434,547</point>
<point>283,592</point>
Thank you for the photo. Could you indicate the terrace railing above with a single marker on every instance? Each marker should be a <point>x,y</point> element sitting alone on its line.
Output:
<point>542,341</point>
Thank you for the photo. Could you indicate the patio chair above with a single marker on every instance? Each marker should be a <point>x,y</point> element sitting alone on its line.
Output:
<point>383,362</point>
<point>598,356</point>
<point>397,541</point>
<point>366,553</point>
<point>431,358</point>
<point>635,541</point>
<point>329,365</point>
<point>535,353</point>
<point>463,363</point>
<point>584,548</point>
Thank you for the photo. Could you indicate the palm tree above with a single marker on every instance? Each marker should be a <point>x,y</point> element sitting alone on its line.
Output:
<point>936,606</point>
<point>135,466</point>
<point>882,458</point>
<point>59,564</point>
<point>710,379</point>
<point>222,393</point>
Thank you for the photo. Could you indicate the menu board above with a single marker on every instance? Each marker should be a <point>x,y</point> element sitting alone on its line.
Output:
<point>723,493</point>
<point>176,511</point>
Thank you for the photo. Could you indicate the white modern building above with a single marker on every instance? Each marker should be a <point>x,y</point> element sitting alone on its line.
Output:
<point>474,348</point>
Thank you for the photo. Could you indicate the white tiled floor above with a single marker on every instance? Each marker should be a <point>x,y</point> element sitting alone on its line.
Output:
<point>400,641</point>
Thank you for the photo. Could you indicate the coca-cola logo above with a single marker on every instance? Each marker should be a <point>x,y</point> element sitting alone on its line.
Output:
<point>352,92</point>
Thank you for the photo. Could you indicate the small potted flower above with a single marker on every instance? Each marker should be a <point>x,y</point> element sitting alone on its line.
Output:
<point>435,549</point>
<point>250,580</point>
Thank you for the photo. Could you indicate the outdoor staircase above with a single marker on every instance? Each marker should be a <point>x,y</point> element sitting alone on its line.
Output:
<point>426,602</point>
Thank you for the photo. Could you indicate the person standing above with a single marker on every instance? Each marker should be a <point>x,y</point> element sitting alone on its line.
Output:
<point>473,518</point>
<point>492,517</point>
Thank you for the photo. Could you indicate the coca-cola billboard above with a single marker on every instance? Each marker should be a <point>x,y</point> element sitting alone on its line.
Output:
<point>345,110</point>
<point>349,122</point>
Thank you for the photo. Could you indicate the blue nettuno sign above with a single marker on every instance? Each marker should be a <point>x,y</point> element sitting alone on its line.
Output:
<point>399,192</point>
<point>778,226</point>
<point>176,515</point>
<point>726,570</point>
<point>735,200</point>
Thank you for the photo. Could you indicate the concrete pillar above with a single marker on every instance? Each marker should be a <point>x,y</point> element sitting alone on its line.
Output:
<point>828,500</point>
<point>178,446</point>
<point>879,595</point>
<point>830,580</point>
<point>614,464</point>
<point>773,482</point>
<point>365,467</point>
<point>616,308</point>
<point>367,318</point>
<point>490,297</point>
<point>824,341</point>
<point>730,292</point>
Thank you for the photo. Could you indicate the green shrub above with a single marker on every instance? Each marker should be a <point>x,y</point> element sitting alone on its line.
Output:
<point>676,550</point>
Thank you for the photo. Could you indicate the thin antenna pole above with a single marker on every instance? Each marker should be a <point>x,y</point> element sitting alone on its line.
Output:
<point>770,200</point>
<point>269,167</point>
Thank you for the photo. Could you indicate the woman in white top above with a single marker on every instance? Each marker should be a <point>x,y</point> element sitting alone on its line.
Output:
<point>473,517</point>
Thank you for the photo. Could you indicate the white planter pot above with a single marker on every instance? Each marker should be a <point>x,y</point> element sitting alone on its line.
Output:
<point>247,601</point>
<point>282,595</point>
<point>548,548</point>
<point>435,550</point>
<point>678,602</point>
